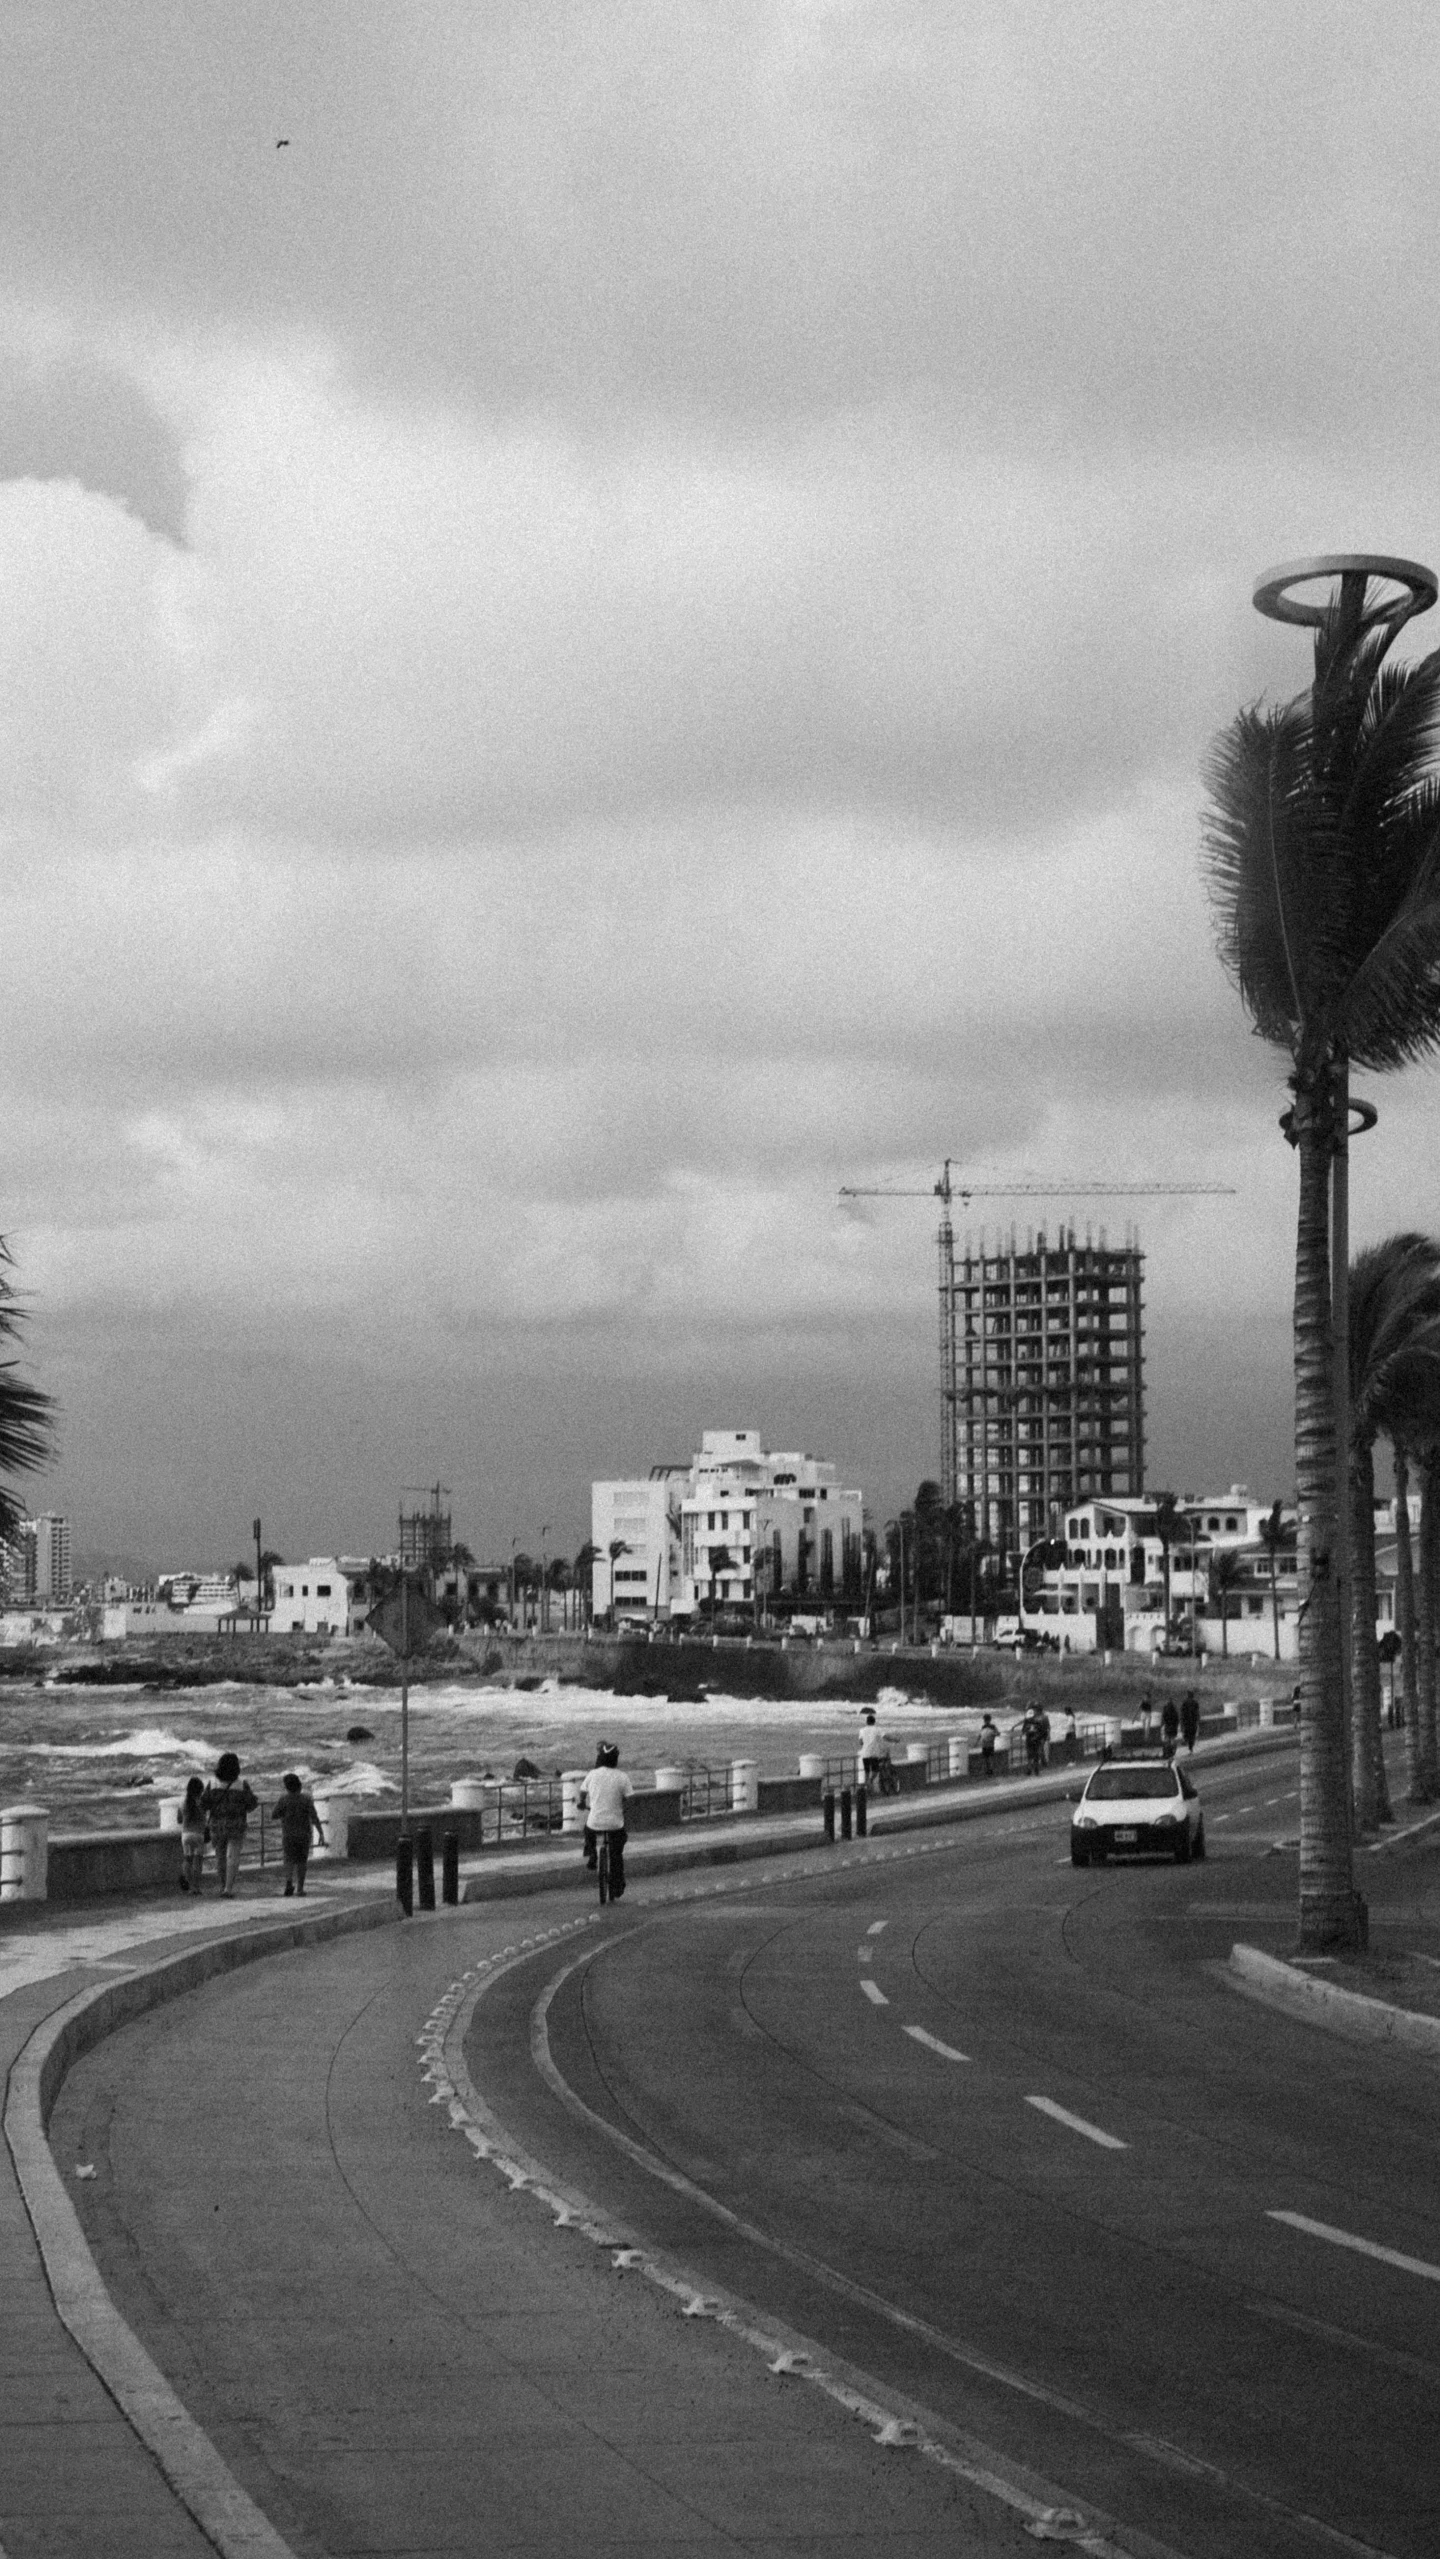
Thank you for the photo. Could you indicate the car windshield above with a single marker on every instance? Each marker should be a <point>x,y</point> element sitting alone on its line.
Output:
<point>1126,1785</point>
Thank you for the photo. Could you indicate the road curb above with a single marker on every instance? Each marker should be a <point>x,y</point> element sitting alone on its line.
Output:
<point>977,1803</point>
<point>200,2479</point>
<point>1323,2003</point>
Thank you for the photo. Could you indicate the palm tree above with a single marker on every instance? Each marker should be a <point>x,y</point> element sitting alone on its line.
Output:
<point>1416,1787</point>
<point>1323,857</point>
<point>618,1547</point>
<point>27,1414</point>
<point>1394,1350</point>
<point>1168,1527</point>
<point>1274,1535</point>
<point>584,1568</point>
<point>1227,1572</point>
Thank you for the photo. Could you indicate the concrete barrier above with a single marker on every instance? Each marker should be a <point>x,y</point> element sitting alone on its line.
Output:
<point>96,1862</point>
<point>745,1786</point>
<point>670,1781</point>
<point>789,1794</point>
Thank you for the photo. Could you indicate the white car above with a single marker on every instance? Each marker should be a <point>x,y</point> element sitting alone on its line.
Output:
<point>1138,1808</point>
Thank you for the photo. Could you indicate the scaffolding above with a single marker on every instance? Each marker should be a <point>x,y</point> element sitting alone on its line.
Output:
<point>426,1544</point>
<point>1042,1379</point>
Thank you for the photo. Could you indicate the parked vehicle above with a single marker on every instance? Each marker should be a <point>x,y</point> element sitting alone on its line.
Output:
<point>1137,1808</point>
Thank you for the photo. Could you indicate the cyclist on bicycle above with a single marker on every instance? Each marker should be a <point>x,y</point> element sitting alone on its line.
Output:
<point>604,1796</point>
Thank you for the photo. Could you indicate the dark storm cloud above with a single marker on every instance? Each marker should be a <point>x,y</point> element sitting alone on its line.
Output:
<point>81,419</point>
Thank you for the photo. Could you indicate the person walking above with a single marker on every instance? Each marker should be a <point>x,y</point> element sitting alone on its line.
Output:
<point>192,1837</point>
<point>1169,1727</point>
<point>604,1795</point>
<point>299,1824</point>
<point>870,1750</point>
<point>1147,1720</point>
<point>1034,1740</point>
<point>989,1736</point>
<point>1190,1718</point>
<point>228,1805</point>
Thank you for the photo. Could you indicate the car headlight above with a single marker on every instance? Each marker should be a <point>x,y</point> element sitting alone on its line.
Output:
<point>1167,1821</point>
<point>1084,1820</point>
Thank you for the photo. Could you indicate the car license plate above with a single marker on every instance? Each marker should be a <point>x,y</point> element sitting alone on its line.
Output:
<point>1126,1838</point>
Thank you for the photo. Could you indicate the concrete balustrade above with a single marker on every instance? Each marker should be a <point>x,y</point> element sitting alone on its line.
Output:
<point>745,1785</point>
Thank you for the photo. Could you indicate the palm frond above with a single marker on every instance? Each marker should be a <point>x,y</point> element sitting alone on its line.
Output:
<point>1257,834</point>
<point>27,1416</point>
<point>1388,1004</point>
<point>1394,1319</point>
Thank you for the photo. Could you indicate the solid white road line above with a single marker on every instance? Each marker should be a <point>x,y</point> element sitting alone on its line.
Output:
<point>1362,2247</point>
<point>932,2044</point>
<point>874,1992</point>
<point>1077,2123</point>
<point>875,1927</point>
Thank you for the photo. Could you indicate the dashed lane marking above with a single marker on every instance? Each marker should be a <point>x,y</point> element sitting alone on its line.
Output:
<point>875,1994</point>
<point>876,1926</point>
<point>864,1954</point>
<point>1362,2247</point>
<point>932,2044</point>
<point>1077,2123</point>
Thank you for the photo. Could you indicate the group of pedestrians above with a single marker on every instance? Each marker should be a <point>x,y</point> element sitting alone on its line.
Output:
<point>1177,1723</point>
<point>216,1815</point>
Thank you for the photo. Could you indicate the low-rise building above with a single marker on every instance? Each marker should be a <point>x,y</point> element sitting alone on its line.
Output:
<point>311,1598</point>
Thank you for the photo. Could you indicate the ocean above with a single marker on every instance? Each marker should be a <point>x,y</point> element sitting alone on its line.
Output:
<point>100,1758</point>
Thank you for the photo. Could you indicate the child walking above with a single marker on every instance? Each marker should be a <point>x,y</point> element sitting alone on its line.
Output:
<point>192,1836</point>
<point>298,1819</point>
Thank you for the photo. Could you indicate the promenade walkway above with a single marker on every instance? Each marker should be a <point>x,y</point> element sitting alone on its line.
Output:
<point>556,2405</point>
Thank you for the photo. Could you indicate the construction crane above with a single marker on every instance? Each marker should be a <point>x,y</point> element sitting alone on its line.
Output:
<point>987,1408</point>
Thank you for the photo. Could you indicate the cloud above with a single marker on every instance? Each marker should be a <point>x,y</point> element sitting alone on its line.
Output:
<point>713,543</point>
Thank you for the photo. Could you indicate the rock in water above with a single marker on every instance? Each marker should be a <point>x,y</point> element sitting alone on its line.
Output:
<point>359,1733</point>
<point>525,1768</point>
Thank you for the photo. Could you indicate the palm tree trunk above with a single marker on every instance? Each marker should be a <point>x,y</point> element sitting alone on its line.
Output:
<point>1425,1627</point>
<point>1415,1788</point>
<point>1328,1916</point>
<point>1372,1795</point>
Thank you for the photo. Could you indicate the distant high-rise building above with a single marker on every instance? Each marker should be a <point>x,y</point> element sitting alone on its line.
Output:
<point>44,1545</point>
<point>1042,1357</point>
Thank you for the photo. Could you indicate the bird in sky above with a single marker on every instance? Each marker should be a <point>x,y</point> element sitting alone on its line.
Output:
<point>284,142</point>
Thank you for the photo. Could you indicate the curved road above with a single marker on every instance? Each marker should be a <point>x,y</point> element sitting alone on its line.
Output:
<point>993,2134</point>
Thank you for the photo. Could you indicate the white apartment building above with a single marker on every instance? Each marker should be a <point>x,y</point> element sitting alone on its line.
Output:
<point>635,1524</point>
<point>311,1598</point>
<point>741,1525</point>
<point>1102,1584</point>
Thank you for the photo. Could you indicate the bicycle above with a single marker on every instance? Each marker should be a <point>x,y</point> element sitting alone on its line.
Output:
<point>602,1865</point>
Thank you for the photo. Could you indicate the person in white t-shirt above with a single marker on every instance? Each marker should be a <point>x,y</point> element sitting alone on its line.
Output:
<point>604,1795</point>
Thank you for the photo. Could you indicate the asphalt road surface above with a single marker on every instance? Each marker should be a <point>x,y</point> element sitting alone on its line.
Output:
<point>999,2133</point>
<point>993,2133</point>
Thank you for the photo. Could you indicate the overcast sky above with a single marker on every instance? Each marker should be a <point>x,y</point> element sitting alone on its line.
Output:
<point>617,636</point>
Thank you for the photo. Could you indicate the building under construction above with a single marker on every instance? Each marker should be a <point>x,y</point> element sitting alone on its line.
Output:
<point>1042,1379</point>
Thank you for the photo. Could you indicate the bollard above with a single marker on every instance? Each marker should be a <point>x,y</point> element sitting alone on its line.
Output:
<point>844,1812</point>
<point>860,1812</point>
<point>24,1852</point>
<point>405,1875</point>
<point>450,1867</point>
<point>827,1808</point>
<point>1362,1916</point>
<point>425,1868</point>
